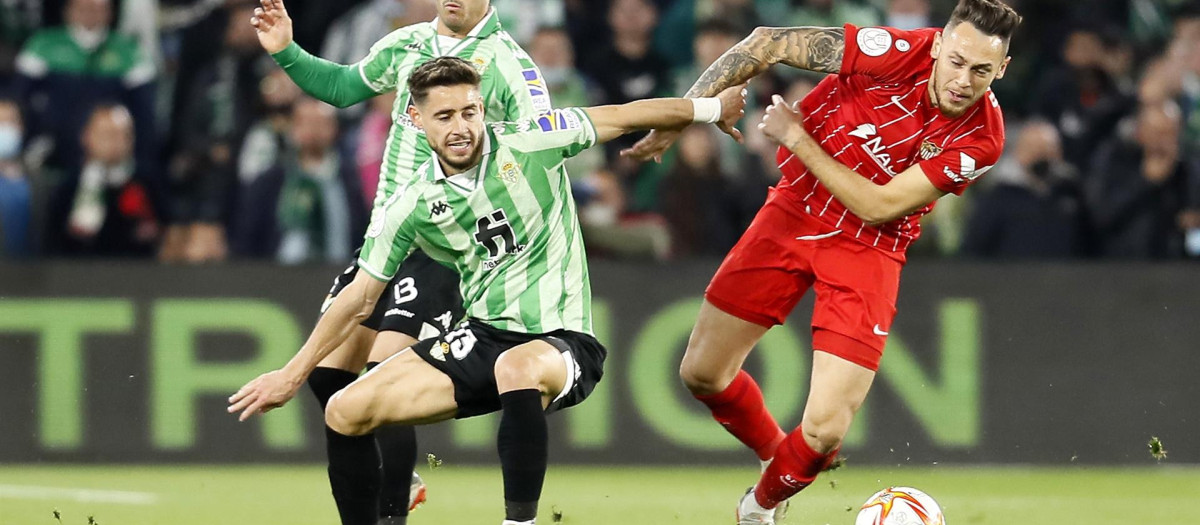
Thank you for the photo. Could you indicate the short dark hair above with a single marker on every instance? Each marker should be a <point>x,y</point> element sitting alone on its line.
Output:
<point>992,17</point>
<point>440,72</point>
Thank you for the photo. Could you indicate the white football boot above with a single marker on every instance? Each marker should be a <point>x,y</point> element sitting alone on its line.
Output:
<point>749,512</point>
<point>416,492</point>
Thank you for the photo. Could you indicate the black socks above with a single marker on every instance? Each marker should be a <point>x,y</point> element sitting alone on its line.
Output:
<point>522,442</point>
<point>353,460</point>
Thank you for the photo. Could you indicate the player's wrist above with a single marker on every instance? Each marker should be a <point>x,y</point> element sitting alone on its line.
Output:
<point>706,110</point>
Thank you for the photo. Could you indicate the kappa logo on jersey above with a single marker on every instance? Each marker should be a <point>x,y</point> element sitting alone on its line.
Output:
<point>929,150</point>
<point>537,89</point>
<point>438,208</point>
<point>558,120</point>
<point>874,146</point>
<point>874,41</point>
<point>967,169</point>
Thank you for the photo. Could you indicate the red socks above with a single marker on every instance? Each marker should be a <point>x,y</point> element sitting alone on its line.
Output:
<point>740,409</point>
<point>796,465</point>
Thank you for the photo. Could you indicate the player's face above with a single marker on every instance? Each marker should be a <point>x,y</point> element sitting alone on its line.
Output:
<point>966,62</point>
<point>461,15</point>
<point>452,117</point>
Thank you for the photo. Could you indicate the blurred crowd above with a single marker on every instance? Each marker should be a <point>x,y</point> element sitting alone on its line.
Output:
<point>160,129</point>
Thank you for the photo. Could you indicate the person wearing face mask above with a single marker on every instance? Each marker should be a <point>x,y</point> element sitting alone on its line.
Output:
<point>1037,211</point>
<point>1138,186</point>
<point>14,187</point>
<point>63,72</point>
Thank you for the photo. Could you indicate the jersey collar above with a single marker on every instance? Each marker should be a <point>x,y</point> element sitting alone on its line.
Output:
<point>467,180</point>
<point>490,24</point>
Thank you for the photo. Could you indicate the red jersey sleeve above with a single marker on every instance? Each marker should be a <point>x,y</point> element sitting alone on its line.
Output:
<point>962,164</point>
<point>885,53</point>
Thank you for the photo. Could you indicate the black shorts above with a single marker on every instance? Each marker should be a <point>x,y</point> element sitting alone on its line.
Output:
<point>421,301</point>
<point>468,355</point>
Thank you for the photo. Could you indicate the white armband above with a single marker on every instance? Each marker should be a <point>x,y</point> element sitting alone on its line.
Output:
<point>706,110</point>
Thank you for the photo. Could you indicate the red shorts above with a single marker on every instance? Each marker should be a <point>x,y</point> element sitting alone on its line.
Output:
<point>783,253</point>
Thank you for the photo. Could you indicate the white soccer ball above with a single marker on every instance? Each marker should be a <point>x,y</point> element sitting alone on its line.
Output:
<point>900,506</point>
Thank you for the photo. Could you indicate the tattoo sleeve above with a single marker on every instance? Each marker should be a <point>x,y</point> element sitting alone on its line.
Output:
<point>817,49</point>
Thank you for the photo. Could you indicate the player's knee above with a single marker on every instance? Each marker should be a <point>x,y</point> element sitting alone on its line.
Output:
<point>702,380</point>
<point>517,370</point>
<point>344,418</point>
<point>825,430</point>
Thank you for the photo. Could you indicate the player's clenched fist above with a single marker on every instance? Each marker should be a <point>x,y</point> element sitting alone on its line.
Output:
<point>781,122</point>
<point>273,25</point>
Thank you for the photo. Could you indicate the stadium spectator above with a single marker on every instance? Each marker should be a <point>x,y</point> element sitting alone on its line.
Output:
<point>608,226</point>
<point>685,21</point>
<point>696,201</point>
<point>112,211</point>
<point>1139,188</point>
<point>308,207</point>
<point>524,18</point>
<point>211,129</point>
<point>15,198</point>
<point>628,68</point>
<point>64,72</point>
<point>822,13</point>
<point>268,136</point>
<point>350,37</point>
<point>908,14</point>
<point>18,20</point>
<point>552,51</point>
<point>1081,97</point>
<point>1035,210</point>
<point>372,142</point>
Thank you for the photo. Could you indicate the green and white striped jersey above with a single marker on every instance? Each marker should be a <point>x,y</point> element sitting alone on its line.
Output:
<point>508,226</point>
<point>511,86</point>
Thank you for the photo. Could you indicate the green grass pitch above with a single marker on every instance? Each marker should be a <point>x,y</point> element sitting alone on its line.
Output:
<point>298,495</point>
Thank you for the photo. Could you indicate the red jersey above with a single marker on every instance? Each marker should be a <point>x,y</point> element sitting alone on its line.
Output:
<point>875,116</point>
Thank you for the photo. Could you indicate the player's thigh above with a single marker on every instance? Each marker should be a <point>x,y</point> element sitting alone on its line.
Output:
<point>403,389</point>
<point>836,391</point>
<point>534,365</point>
<point>388,343</point>
<point>717,348</point>
<point>351,355</point>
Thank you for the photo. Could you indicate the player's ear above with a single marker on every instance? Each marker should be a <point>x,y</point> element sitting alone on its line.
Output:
<point>1003,68</point>
<point>415,116</point>
<point>936,49</point>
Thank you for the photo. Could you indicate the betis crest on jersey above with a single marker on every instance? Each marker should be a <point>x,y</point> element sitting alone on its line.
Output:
<point>929,150</point>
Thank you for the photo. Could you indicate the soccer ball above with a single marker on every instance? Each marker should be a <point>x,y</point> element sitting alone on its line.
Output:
<point>900,506</point>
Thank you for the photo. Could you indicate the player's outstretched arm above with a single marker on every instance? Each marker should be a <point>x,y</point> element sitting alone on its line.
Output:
<point>670,113</point>
<point>817,49</point>
<point>273,389</point>
<point>336,84</point>
<point>875,204</point>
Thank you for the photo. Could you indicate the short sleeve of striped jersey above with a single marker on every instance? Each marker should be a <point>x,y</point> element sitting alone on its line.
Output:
<point>524,87</point>
<point>378,69</point>
<point>390,236</point>
<point>566,131</point>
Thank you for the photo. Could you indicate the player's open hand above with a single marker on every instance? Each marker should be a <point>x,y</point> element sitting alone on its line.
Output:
<point>652,146</point>
<point>273,25</point>
<point>733,108</point>
<point>266,392</point>
<point>781,122</point>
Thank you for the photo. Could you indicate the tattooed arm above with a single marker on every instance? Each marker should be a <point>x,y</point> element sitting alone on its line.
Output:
<point>817,49</point>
